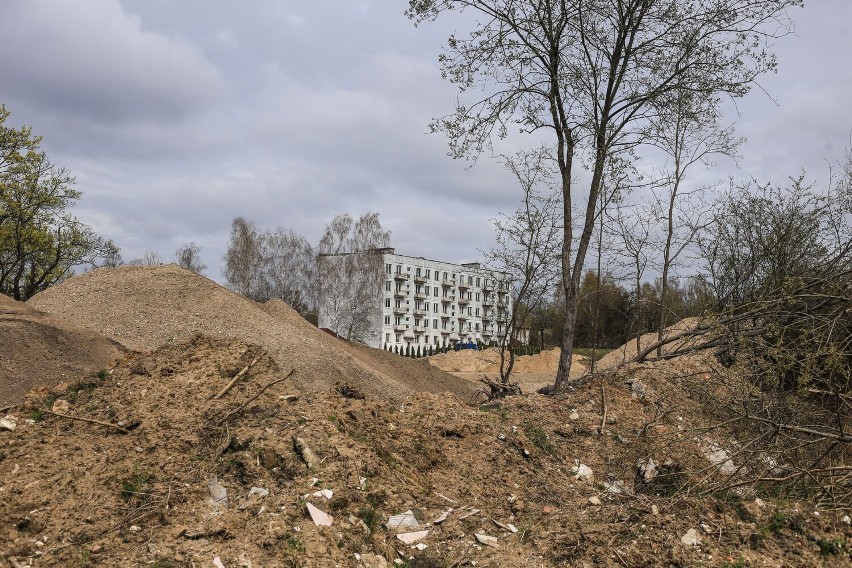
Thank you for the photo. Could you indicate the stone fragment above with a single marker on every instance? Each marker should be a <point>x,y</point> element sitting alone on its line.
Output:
<point>218,493</point>
<point>60,406</point>
<point>373,561</point>
<point>8,423</point>
<point>259,491</point>
<point>582,472</point>
<point>574,416</point>
<point>487,540</point>
<point>691,538</point>
<point>594,500</point>
<point>320,518</point>
<point>412,537</point>
<point>402,521</point>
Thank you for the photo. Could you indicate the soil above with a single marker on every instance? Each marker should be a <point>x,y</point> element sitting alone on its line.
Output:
<point>530,372</point>
<point>38,349</point>
<point>129,468</point>
<point>143,308</point>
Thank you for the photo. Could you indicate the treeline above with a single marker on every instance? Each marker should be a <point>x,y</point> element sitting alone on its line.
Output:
<point>610,314</point>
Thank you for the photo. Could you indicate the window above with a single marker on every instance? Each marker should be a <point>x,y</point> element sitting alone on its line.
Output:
<point>435,291</point>
<point>397,320</point>
<point>388,286</point>
<point>477,327</point>
<point>388,268</point>
<point>427,273</point>
<point>397,338</point>
<point>387,338</point>
<point>435,307</point>
<point>477,296</point>
<point>477,312</point>
<point>399,269</point>
<point>387,302</point>
<point>434,324</point>
<point>417,273</point>
<point>470,280</point>
<point>387,320</point>
<point>477,280</point>
<point>416,339</point>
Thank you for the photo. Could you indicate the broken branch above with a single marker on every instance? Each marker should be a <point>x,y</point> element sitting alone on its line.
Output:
<point>233,381</point>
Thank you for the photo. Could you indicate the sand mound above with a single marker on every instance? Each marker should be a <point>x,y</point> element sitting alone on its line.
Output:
<point>487,362</point>
<point>39,349</point>
<point>628,351</point>
<point>144,308</point>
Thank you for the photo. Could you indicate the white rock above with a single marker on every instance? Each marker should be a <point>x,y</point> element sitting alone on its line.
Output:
<point>325,493</point>
<point>845,520</point>
<point>373,561</point>
<point>705,527</point>
<point>655,510</point>
<point>8,423</point>
<point>593,500</point>
<point>721,458</point>
<point>691,538</point>
<point>442,517</point>
<point>412,537</point>
<point>217,562</point>
<point>487,540</point>
<point>574,416</point>
<point>60,406</point>
<point>319,518</point>
<point>259,491</point>
<point>402,521</point>
<point>582,472</point>
<point>420,546</point>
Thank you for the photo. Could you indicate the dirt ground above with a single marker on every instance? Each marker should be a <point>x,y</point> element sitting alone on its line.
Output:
<point>38,349</point>
<point>213,450</point>
<point>531,372</point>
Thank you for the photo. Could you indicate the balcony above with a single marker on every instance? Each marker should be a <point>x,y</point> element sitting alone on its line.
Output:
<point>487,302</point>
<point>445,316</point>
<point>448,299</point>
<point>463,300</point>
<point>419,329</point>
<point>488,287</point>
<point>448,283</point>
<point>420,279</point>
<point>402,276</point>
<point>486,333</point>
<point>462,285</point>
<point>420,313</point>
<point>399,328</point>
<point>399,293</point>
<point>400,311</point>
<point>420,296</point>
<point>462,317</point>
<point>445,332</point>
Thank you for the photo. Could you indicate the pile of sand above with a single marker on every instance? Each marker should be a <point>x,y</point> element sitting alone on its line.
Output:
<point>38,349</point>
<point>144,308</point>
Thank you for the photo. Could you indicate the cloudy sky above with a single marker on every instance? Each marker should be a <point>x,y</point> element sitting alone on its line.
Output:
<point>176,116</point>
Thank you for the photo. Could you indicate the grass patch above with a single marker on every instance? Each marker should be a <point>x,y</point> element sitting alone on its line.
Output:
<point>587,352</point>
<point>539,439</point>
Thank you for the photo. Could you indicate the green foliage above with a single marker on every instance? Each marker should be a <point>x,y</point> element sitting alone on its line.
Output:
<point>539,439</point>
<point>40,241</point>
<point>369,516</point>
<point>135,488</point>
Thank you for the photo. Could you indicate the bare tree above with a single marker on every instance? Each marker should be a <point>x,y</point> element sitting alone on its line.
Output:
<point>350,275</point>
<point>150,258</point>
<point>688,131</point>
<point>243,259</point>
<point>527,247</point>
<point>189,256</point>
<point>288,269</point>
<point>594,73</point>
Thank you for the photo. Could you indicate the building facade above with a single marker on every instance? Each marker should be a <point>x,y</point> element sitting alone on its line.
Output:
<point>427,303</point>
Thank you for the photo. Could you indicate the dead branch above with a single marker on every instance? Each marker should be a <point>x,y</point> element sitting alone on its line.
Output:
<point>233,381</point>
<point>499,390</point>
<point>260,392</point>
<point>90,420</point>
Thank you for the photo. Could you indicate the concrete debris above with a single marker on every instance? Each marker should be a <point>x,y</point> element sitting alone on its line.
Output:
<point>8,423</point>
<point>691,538</point>
<point>319,518</point>
<point>421,547</point>
<point>324,493</point>
<point>705,527</point>
<point>582,472</point>
<point>486,540</point>
<point>593,500</point>
<point>442,517</point>
<point>259,491</point>
<point>720,457</point>
<point>574,416</point>
<point>506,527</point>
<point>60,406</point>
<point>218,493</point>
<point>655,510</point>
<point>372,560</point>
<point>412,537</point>
<point>217,562</point>
<point>647,469</point>
<point>845,520</point>
<point>402,521</point>
<point>470,512</point>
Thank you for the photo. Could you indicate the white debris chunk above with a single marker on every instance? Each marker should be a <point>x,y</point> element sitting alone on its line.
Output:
<point>486,540</point>
<point>319,518</point>
<point>412,537</point>
<point>691,538</point>
<point>402,521</point>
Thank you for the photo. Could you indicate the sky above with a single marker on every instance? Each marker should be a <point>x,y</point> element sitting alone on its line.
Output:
<point>175,117</point>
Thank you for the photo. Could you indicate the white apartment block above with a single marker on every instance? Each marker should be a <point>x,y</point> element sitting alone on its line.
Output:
<point>428,303</point>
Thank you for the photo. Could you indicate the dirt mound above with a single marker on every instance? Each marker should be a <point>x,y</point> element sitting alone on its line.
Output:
<point>39,349</point>
<point>146,307</point>
<point>530,371</point>
<point>629,350</point>
<point>183,478</point>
